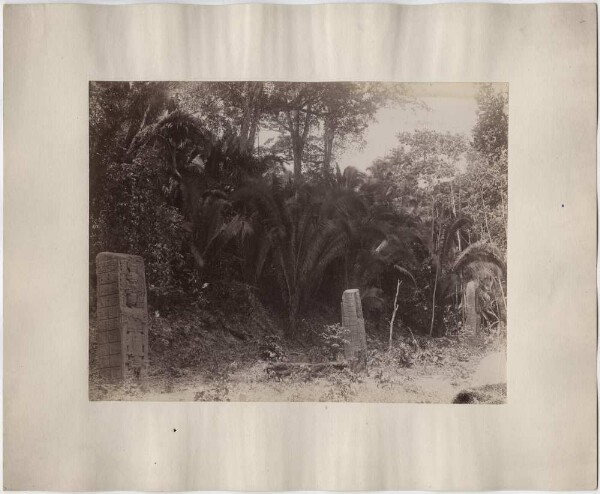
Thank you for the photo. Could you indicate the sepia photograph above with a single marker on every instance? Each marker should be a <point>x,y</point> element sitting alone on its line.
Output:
<point>281,248</point>
<point>298,241</point>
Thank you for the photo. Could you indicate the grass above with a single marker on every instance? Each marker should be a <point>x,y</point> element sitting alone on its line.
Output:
<point>200,356</point>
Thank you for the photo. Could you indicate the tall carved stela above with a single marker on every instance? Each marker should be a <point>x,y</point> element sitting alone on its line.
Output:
<point>122,316</point>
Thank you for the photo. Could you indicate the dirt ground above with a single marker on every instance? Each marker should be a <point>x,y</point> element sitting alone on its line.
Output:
<point>427,370</point>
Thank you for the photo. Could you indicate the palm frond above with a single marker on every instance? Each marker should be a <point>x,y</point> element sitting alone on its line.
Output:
<point>264,248</point>
<point>406,273</point>
<point>336,250</point>
<point>482,251</point>
<point>449,236</point>
<point>258,196</point>
<point>197,257</point>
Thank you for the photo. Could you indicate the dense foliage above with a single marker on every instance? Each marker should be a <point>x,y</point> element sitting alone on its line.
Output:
<point>178,175</point>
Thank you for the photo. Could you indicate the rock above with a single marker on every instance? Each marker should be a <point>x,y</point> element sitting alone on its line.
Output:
<point>491,394</point>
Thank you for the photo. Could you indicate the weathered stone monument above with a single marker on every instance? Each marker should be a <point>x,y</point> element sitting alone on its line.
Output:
<point>471,309</point>
<point>355,346</point>
<point>122,316</point>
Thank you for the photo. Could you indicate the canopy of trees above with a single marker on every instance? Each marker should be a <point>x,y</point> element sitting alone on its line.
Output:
<point>179,175</point>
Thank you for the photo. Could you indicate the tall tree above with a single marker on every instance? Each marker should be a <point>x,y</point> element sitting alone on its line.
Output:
<point>421,168</point>
<point>346,110</point>
<point>292,112</point>
<point>490,134</point>
<point>234,108</point>
<point>485,182</point>
<point>318,118</point>
<point>118,112</point>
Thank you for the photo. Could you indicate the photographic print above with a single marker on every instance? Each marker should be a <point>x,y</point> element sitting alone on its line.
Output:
<point>298,241</point>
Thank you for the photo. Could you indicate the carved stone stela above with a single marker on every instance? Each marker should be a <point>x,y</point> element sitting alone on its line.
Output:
<point>355,348</point>
<point>122,316</point>
<point>471,314</point>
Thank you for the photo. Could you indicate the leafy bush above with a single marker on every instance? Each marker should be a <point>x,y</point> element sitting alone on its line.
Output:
<point>134,218</point>
<point>399,356</point>
<point>271,349</point>
<point>333,338</point>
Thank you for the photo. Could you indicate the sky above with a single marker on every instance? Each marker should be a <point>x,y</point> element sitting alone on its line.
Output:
<point>450,107</point>
<point>445,112</point>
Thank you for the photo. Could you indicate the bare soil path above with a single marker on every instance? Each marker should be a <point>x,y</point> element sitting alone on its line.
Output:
<point>436,375</point>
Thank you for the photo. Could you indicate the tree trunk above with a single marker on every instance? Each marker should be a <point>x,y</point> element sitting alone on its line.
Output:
<point>438,268</point>
<point>297,166</point>
<point>328,138</point>
<point>254,128</point>
<point>433,301</point>
<point>432,222</point>
<point>455,215</point>
<point>487,226</point>
<point>245,125</point>
<point>346,277</point>
<point>137,124</point>
<point>250,115</point>
<point>293,310</point>
<point>298,129</point>
<point>394,314</point>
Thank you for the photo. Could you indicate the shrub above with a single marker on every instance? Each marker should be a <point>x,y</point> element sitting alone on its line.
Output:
<point>134,218</point>
<point>333,338</point>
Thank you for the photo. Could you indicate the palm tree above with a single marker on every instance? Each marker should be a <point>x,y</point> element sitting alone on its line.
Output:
<point>210,232</point>
<point>478,259</point>
<point>351,178</point>
<point>484,261</point>
<point>196,161</point>
<point>306,228</point>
